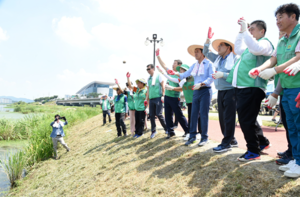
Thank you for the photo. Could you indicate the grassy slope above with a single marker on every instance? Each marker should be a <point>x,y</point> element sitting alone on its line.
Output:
<point>100,164</point>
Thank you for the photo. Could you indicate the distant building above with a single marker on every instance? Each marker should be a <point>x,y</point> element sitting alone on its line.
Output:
<point>5,101</point>
<point>98,87</point>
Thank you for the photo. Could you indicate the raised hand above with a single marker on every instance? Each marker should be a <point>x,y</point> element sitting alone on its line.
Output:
<point>116,81</point>
<point>128,75</point>
<point>242,22</point>
<point>210,33</point>
<point>159,69</point>
<point>157,52</point>
<point>171,72</point>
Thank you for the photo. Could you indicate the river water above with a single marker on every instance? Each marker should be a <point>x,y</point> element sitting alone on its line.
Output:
<point>8,147</point>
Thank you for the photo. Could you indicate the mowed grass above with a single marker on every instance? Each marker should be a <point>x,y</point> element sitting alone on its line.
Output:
<point>100,164</point>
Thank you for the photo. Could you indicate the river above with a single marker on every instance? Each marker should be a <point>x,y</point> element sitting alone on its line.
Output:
<point>8,147</point>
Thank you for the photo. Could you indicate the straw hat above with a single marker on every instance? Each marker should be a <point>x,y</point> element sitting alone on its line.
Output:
<point>115,88</point>
<point>192,48</point>
<point>217,42</point>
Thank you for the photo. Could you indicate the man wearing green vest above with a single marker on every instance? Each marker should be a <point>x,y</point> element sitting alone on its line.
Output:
<point>187,88</point>
<point>105,106</point>
<point>172,100</point>
<point>250,90</point>
<point>121,110</point>
<point>155,92</point>
<point>287,57</point>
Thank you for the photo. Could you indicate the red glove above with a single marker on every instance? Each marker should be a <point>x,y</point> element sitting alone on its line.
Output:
<point>298,100</point>
<point>240,19</point>
<point>145,103</point>
<point>288,72</point>
<point>210,33</point>
<point>116,80</point>
<point>128,75</point>
<point>157,52</point>
<point>171,72</point>
<point>255,72</point>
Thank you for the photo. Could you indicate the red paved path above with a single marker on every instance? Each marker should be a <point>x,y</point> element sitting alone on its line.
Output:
<point>276,138</point>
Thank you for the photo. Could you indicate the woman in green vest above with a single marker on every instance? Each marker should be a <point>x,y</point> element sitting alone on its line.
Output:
<point>105,106</point>
<point>131,105</point>
<point>187,88</point>
<point>121,110</point>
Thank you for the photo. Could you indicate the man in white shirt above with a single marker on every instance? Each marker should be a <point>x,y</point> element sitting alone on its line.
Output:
<point>254,50</point>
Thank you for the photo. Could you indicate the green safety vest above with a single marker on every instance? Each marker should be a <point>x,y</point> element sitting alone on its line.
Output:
<point>105,103</point>
<point>139,98</point>
<point>187,89</point>
<point>156,90</point>
<point>130,101</point>
<point>286,51</point>
<point>249,61</point>
<point>120,105</point>
<point>172,93</point>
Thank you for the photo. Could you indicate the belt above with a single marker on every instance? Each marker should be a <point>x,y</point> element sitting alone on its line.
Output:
<point>58,135</point>
<point>205,87</point>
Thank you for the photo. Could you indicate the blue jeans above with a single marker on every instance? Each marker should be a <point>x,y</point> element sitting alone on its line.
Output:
<point>201,102</point>
<point>172,104</point>
<point>293,119</point>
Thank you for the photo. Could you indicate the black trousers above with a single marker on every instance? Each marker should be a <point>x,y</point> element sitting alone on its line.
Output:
<point>227,114</point>
<point>120,122</point>
<point>248,106</point>
<point>155,109</point>
<point>189,105</point>
<point>107,112</point>
<point>139,122</point>
<point>283,119</point>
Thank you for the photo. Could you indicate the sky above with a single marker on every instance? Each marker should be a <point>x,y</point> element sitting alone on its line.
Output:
<point>56,47</point>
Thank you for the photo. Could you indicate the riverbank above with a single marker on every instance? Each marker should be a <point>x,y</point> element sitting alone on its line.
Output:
<point>100,164</point>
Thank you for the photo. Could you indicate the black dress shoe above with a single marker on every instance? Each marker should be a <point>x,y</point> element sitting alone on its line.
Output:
<point>170,135</point>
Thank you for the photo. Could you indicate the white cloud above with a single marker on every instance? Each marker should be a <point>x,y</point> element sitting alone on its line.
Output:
<point>3,35</point>
<point>72,31</point>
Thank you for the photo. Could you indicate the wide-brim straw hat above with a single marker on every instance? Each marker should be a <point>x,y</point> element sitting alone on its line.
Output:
<point>115,88</point>
<point>191,49</point>
<point>217,42</point>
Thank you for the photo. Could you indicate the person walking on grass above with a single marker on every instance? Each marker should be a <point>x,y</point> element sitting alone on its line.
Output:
<point>58,133</point>
<point>223,63</point>
<point>121,110</point>
<point>202,72</point>
<point>155,93</point>
<point>140,108</point>
<point>172,100</point>
<point>105,106</point>
<point>287,59</point>
<point>254,49</point>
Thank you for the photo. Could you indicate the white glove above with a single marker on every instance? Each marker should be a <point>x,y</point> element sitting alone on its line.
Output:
<point>243,24</point>
<point>168,87</point>
<point>267,73</point>
<point>271,101</point>
<point>254,72</point>
<point>197,86</point>
<point>293,69</point>
<point>218,75</point>
<point>162,99</point>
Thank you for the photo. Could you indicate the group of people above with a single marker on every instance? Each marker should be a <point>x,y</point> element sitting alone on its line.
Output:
<point>240,72</point>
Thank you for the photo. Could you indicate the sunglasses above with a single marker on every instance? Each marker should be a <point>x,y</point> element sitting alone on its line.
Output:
<point>148,69</point>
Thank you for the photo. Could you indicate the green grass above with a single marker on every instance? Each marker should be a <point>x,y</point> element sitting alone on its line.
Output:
<point>36,129</point>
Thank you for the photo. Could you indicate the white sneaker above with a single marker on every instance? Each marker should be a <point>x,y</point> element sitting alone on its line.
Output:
<point>187,137</point>
<point>293,172</point>
<point>287,166</point>
<point>198,136</point>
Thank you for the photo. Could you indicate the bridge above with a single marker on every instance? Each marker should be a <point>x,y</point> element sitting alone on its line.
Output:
<point>79,102</point>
